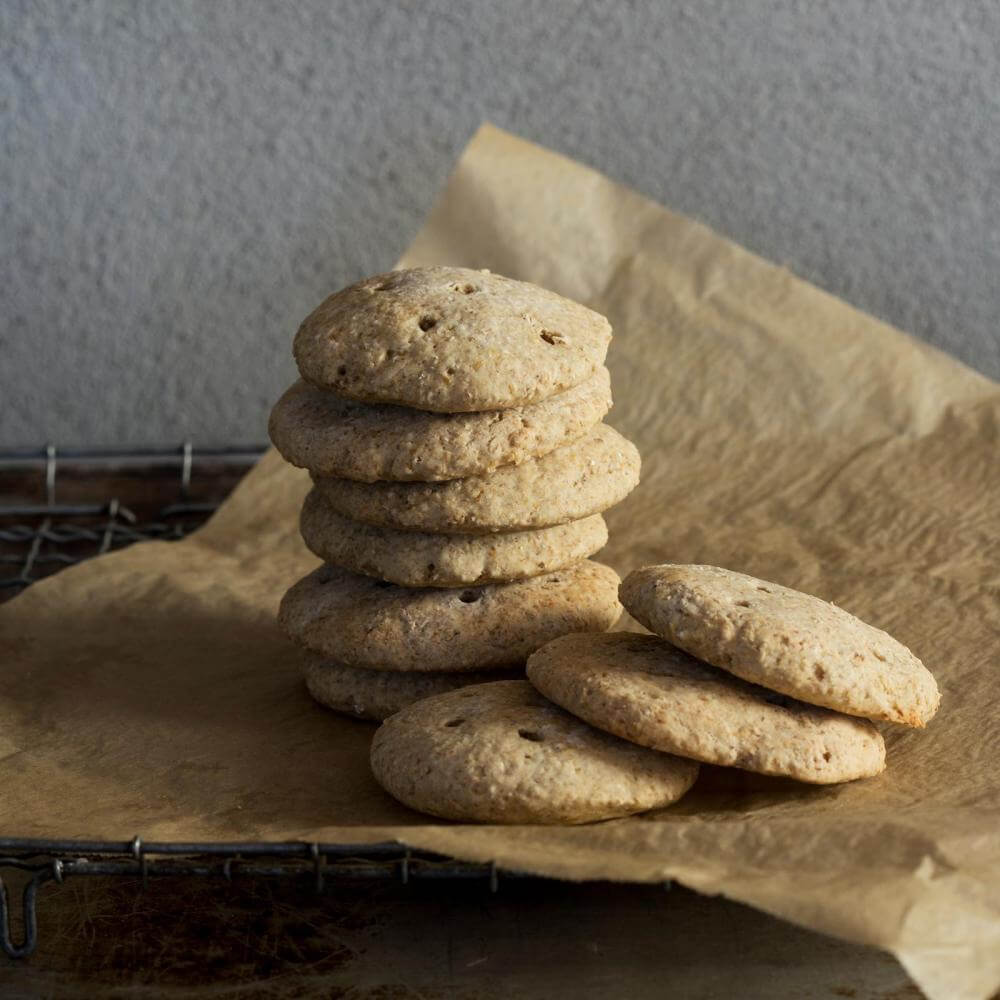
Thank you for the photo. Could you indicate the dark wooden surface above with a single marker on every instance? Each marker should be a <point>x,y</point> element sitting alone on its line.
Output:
<point>534,939</point>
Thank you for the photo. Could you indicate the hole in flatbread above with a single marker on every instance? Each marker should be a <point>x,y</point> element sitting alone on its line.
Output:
<point>449,371</point>
<point>427,323</point>
<point>819,672</point>
<point>766,591</point>
<point>530,734</point>
<point>382,584</point>
<point>469,596</point>
<point>826,755</point>
<point>466,289</point>
<point>743,604</point>
<point>430,568</point>
<point>451,723</point>
<point>552,337</point>
<point>342,370</point>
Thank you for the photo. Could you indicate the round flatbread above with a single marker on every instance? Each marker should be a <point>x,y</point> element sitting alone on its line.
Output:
<point>501,753</point>
<point>377,694</point>
<point>368,442</point>
<point>449,340</point>
<point>585,477</point>
<point>642,689</point>
<point>784,640</point>
<point>419,559</point>
<point>363,622</point>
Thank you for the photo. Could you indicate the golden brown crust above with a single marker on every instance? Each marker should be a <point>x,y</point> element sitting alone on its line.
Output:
<point>449,340</point>
<point>582,478</point>
<point>642,689</point>
<point>784,640</point>
<point>422,559</point>
<point>501,753</point>
<point>377,694</point>
<point>368,442</point>
<point>363,622</point>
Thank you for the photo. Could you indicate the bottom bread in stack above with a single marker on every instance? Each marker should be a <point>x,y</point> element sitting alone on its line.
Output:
<point>613,724</point>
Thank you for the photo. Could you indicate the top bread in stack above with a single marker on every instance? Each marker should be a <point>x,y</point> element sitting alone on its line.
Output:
<point>449,340</point>
<point>440,373</point>
<point>451,421</point>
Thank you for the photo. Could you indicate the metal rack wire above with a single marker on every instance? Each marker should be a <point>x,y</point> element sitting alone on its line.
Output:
<point>39,535</point>
<point>322,865</point>
<point>60,507</point>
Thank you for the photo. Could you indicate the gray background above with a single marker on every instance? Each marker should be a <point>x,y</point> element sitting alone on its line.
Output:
<point>182,182</point>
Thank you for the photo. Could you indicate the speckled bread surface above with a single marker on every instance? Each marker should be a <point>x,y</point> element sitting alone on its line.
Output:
<point>449,340</point>
<point>579,479</point>
<point>422,559</point>
<point>784,640</point>
<point>368,442</point>
<point>363,622</point>
<point>501,753</point>
<point>377,694</point>
<point>644,690</point>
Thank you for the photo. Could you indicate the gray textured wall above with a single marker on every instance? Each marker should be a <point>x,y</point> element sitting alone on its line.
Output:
<point>182,182</point>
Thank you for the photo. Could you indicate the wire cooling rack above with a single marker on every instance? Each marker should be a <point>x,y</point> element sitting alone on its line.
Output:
<point>60,507</point>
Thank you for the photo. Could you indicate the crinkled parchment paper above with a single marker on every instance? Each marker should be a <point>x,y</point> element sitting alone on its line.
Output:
<point>783,433</point>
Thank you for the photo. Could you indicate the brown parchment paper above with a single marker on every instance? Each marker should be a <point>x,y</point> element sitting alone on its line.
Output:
<point>783,433</point>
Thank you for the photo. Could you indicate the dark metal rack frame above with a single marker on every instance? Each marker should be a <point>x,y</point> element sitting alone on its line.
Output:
<point>40,530</point>
<point>323,865</point>
<point>38,536</point>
